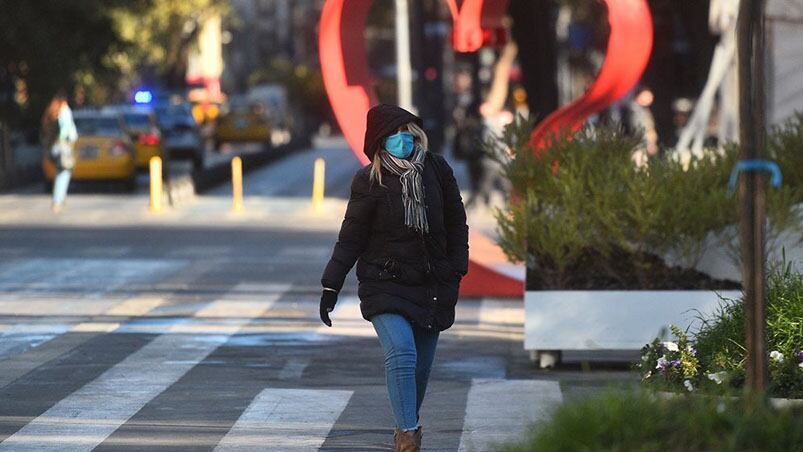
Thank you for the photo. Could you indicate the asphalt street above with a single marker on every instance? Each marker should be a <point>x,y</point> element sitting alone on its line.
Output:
<point>198,329</point>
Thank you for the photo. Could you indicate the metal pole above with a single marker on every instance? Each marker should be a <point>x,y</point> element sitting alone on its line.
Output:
<point>752,195</point>
<point>404,70</point>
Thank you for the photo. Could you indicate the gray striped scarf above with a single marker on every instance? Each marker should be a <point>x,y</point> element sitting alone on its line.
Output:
<point>410,172</point>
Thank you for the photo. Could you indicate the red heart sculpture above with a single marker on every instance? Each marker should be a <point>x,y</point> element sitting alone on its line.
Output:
<point>350,89</point>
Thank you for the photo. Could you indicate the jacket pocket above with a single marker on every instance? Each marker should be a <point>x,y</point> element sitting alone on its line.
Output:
<point>390,269</point>
<point>371,271</point>
<point>445,273</point>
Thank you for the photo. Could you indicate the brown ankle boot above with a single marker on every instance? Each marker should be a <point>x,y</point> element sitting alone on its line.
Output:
<point>407,441</point>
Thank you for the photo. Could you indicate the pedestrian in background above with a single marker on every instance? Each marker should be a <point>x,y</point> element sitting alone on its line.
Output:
<point>490,175</point>
<point>405,227</point>
<point>467,142</point>
<point>58,140</point>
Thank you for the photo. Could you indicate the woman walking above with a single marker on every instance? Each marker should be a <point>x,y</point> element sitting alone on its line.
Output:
<point>58,139</point>
<point>405,227</point>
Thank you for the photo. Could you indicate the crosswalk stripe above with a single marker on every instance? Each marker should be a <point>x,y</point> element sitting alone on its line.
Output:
<point>92,278</point>
<point>84,419</point>
<point>29,335</point>
<point>30,396</point>
<point>136,306</point>
<point>55,307</point>
<point>286,420</point>
<point>502,410</point>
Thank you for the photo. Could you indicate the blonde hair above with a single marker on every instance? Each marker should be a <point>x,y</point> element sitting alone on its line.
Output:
<point>421,139</point>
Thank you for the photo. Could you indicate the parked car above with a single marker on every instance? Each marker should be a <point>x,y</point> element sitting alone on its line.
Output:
<point>103,152</point>
<point>243,122</point>
<point>181,136</point>
<point>274,97</point>
<point>141,125</point>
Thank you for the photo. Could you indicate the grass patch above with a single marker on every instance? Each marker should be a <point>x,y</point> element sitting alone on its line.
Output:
<point>713,360</point>
<point>721,340</point>
<point>618,421</point>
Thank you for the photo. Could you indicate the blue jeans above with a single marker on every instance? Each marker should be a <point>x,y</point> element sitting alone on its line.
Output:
<point>60,184</point>
<point>409,352</point>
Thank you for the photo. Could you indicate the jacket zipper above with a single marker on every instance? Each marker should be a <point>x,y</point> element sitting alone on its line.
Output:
<point>433,298</point>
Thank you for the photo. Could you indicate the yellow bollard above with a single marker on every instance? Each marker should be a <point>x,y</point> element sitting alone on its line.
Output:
<point>318,184</point>
<point>156,184</point>
<point>237,183</point>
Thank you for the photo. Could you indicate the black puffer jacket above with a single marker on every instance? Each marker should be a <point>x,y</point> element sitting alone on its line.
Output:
<point>400,270</point>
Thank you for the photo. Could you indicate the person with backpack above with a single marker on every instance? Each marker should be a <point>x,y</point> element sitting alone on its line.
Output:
<point>405,228</point>
<point>58,140</point>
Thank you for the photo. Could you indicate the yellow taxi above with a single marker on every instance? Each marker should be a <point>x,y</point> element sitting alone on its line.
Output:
<point>244,123</point>
<point>103,152</point>
<point>140,124</point>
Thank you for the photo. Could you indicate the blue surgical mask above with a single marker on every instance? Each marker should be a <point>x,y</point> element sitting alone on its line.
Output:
<point>400,145</point>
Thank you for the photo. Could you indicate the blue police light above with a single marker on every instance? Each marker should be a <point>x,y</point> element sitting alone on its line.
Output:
<point>143,97</point>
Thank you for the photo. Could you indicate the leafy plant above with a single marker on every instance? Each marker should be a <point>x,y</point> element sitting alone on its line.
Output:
<point>582,215</point>
<point>785,146</point>
<point>671,363</point>
<point>718,347</point>
<point>636,421</point>
<point>52,45</point>
<point>159,35</point>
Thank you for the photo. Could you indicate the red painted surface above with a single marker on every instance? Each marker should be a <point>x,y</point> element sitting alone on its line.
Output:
<point>483,281</point>
<point>477,23</point>
<point>345,68</point>
<point>350,90</point>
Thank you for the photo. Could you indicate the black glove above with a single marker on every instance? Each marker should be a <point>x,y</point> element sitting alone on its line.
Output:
<point>328,300</point>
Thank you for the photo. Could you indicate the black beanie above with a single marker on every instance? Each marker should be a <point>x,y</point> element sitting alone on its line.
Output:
<point>383,120</point>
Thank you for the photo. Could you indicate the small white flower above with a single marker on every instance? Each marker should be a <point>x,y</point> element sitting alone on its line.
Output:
<point>800,366</point>
<point>776,356</point>
<point>718,377</point>
<point>649,374</point>
<point>661,363</point>
<point>671,346</point>
<point>688,385</point>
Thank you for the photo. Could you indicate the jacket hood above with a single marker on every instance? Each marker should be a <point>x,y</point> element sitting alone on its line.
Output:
<point>383,120</point>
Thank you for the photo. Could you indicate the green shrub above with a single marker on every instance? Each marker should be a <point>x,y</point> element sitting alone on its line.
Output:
<point>785,146</point>
<point>582,207</point>
<point>714,359</point>
<point>641,422</point>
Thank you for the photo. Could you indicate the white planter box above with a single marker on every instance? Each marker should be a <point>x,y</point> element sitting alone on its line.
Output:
<point>610,320</point>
